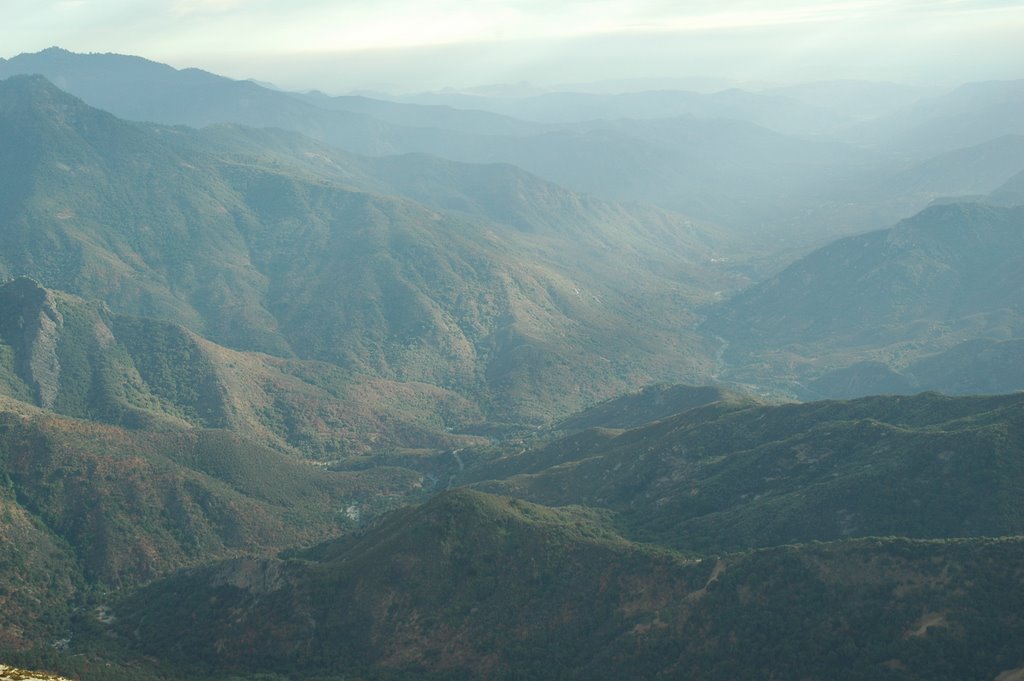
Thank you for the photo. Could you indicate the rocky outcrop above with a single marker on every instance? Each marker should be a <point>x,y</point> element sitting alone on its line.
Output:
<point>8,673</point>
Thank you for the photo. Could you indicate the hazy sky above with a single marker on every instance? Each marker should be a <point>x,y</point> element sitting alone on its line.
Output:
<point>412,45</point>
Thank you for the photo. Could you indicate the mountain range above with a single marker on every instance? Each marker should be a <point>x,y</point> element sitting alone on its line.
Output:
<point>507,386</point>
<point>695,153</point>
<point>255,257</point>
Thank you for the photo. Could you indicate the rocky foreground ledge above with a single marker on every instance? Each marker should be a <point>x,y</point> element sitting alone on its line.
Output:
<point>8,673</point>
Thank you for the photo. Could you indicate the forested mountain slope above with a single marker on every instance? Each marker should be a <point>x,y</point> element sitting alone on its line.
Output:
<point>275,260</point>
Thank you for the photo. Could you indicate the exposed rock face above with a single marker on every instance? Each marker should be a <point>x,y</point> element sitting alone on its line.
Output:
<point>31,323</point>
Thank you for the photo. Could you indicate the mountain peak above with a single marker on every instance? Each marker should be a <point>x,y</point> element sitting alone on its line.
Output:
<point>36,86</point>
<point>461,516</point>
<point>31,103</point>
<point>26,80</point>
<point>55,52</point>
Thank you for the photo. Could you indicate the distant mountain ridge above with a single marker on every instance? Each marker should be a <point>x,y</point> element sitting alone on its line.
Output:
<point>770,110</point>
<point>971,114</point>
<point>980,365</point>
<point>142,90</point>
<point>859,99</point>
<point>949,274</point>
<point>681,150</point>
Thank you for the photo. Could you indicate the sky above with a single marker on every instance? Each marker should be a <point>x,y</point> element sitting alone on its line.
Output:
<point>416,45</point>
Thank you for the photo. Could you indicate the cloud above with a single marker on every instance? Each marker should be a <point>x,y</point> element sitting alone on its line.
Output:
<point>182,9</point>
<point>415,42</point>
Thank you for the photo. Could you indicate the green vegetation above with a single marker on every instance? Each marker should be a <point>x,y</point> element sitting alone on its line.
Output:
<point>86,362</point>
<point>40,577</point>
<point>90,507</point>
<point>475,583</point>
<point>172,364</point>
<point>472,586</point>
<point>731,476</point>
<point>650,404</point>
